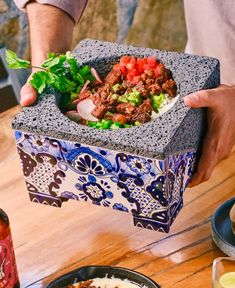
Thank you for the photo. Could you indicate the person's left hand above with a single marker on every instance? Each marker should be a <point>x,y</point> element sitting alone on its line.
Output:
<point>220,137</point>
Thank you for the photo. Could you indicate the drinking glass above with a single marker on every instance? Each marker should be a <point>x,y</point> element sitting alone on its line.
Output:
<point>221,266</point>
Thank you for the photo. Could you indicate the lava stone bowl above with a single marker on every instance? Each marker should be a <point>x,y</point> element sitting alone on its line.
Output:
<point>142,170</point>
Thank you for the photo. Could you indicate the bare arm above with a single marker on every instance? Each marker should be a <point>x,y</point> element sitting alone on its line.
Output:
<point>51,30</point>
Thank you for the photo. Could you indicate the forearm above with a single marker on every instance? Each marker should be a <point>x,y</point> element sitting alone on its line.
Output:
<point>51,30</point>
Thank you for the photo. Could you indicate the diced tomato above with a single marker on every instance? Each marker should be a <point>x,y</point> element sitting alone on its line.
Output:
<point>152,62</point>
<point>141,61</point>
<point>129,77</point>
<point>132,60</point>
<point>119,118</point>
<point>124,60</point>
<point>123,70</point>
<point>130,66</point>
<point>134,72</point>
<point>116,67</point>
<point>136,79</point>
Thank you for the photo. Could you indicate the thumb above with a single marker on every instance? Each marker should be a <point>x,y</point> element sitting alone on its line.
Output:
<point>28,94</point>
<point>199,99</point>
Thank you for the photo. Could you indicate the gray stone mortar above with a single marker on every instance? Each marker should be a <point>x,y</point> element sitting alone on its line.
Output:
<point>179,130</point>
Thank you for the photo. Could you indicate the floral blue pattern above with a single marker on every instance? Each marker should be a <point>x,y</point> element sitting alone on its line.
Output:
<point>138,165</point>
<point>152,190</point>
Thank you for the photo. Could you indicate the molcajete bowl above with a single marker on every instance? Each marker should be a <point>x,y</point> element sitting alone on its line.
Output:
<point>142,170</point>
<point>91,272</point>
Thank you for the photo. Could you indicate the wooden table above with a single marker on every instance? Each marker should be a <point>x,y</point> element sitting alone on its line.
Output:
<point>51,241</point>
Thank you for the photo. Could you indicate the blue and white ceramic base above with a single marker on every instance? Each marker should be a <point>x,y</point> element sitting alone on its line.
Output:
<point>57,170</point>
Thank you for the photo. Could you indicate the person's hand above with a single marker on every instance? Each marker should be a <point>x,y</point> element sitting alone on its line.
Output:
<point>220,137</point>
<point>51,30</point>
<point>28,94</point>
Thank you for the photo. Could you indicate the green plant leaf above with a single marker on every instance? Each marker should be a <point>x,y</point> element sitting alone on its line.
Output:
<point>14,62</point>
<point>85,72</point>
<point>39,80</point>
<point>61,83</point>
<point>54,62</point>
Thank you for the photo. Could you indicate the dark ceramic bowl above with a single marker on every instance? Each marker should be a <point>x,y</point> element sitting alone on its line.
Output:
<point>90,272</point>
<point>222,230</point>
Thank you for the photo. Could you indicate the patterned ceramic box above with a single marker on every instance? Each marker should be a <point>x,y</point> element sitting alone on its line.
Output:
<point>142,170</point>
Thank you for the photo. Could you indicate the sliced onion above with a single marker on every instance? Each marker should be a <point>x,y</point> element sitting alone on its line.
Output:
<point>84,86</point>
<point>96,75</point>
<point>75,101</point>
<point>73,115</point>
<point>85,108</point>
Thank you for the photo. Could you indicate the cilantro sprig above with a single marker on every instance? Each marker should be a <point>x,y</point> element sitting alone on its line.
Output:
<point>62,72</point>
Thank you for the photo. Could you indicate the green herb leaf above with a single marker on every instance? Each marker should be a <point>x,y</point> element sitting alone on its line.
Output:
<point>85,72</point>
<point>14,62</point>
<point>54,62</point>
<point>39,81</point>
<point>61,83</point>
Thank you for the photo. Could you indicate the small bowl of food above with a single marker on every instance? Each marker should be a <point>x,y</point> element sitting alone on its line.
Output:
<point>221,227</point>
<point>103,277</point>
<point>223,272</point>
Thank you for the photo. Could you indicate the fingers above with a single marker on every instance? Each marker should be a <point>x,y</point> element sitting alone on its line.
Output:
<point>28,95</point>
<point>206,164</point>
<point>212,153</point>
<point>200,99</point>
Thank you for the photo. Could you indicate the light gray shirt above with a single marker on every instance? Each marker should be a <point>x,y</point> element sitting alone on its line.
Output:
<point>210,26</point>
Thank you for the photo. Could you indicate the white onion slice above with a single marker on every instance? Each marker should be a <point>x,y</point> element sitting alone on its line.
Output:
<point>84,86</point>
<point>96,75</point>
<point>85,108</point>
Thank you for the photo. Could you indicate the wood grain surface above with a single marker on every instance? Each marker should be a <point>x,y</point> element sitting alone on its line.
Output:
<point>52,241</point>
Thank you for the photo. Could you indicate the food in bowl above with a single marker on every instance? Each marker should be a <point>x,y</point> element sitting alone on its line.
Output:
<point>105,283</point>
<point>132,93</point>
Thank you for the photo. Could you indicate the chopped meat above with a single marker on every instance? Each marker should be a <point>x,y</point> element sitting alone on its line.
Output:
<point>101,95</point>
<point>168,74</point>
<point>99,111</point>
<point>85,94</point>
<point>113,77</point>
<point>170,87</point>
<point>143,77</point>
<point>141,88</point>
<point>127,84</point>
<point>126,108</point>
<point>161,70</point>
<point>119,118</point>
<point>155,89</point>
<point>143,113</point>
<point>149,82</point>
<point>149,73</point>
<point>159,80</point>
<point>108,116</point>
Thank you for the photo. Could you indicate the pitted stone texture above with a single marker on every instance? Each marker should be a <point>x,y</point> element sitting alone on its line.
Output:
<point>177,131</point>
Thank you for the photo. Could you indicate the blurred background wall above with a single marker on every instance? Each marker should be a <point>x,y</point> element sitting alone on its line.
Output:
<point>150,23</point>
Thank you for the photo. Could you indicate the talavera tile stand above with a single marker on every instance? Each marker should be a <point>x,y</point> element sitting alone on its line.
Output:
<point>142,170</point>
